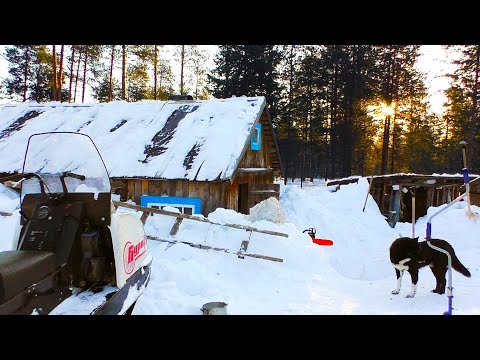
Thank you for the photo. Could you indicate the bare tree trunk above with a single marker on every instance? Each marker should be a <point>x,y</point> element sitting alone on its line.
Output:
<point>388,96</point>
<point>155,63</point>
<point>196,82</point>
<point>386,135</point>
<point>474,126</point>
<point>392,155</point>
<point>310,126</point>
<point>124,65</point>
<point>84,74</point>
<point>71,74</point>
<point>27,65</point>
<point>110,84</point>
<point>54,73</point>
<point>333,122</point>
<point>446,170</point>
<point>181,70</point>
<point>160,82</point>
<point>76,76</point>
<point>60,75</point>
<point>289,114</point>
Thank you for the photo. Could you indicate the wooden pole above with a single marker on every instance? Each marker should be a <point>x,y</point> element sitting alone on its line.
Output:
<point>369,187</point>
<point>413,212</point>
<point>206,247</point>
<point>190,217</point>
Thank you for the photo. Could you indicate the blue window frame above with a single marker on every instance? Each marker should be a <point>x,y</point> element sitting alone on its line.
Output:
<point>187,206</point>
<point>256,139</point>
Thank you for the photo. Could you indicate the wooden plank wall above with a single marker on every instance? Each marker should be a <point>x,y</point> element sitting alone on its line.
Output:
<point>257,159</point>
<point>213,194</point>
<point>255,180</point>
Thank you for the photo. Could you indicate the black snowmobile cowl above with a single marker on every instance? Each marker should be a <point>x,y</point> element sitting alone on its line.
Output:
<point>72,245</point>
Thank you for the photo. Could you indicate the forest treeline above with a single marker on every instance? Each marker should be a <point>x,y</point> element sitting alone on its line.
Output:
<point>338,110</point>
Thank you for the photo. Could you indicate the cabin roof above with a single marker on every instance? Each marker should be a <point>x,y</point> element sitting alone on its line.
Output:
<point>199,140</point>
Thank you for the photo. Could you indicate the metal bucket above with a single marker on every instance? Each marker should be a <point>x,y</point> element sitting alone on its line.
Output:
<point>214,308</point>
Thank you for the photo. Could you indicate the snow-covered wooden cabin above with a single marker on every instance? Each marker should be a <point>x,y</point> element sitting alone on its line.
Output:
<point>196,155</point>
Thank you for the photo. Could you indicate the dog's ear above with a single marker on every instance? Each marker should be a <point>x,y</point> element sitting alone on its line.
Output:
<point>416,239</point>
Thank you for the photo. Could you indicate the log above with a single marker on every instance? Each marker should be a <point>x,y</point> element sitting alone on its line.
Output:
<point>4,213</point>
<point>206,247</point>
<point>190,217</point>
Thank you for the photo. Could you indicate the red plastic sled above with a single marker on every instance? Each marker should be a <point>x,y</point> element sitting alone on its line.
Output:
<point>324,242</point>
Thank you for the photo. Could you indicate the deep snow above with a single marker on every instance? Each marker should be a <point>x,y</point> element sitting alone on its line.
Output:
<point>354,276</point>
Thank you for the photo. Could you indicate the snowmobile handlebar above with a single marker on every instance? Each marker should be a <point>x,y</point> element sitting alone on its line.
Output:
<point>73,175</point>
<point>66,174</point>
<point>28,176</point>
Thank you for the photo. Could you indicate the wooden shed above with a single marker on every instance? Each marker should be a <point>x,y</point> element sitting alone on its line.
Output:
<point>393,193</point>
<point>196,155</point>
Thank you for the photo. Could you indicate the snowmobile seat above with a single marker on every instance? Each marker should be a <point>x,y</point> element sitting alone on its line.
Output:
<point>22,268</point>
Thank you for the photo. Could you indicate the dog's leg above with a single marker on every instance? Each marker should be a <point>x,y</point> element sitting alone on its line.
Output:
<point>399,274</point>
<point>440,279</point>
<point>414,276</point>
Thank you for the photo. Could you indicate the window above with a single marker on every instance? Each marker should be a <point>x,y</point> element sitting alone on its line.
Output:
<point>184,209</point>
<point>189,206</point>
<point>255,140</point>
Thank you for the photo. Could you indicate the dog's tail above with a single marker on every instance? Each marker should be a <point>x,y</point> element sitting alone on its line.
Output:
<point>457,265</point>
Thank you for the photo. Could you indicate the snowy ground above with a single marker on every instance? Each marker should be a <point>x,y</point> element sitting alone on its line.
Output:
<point>354,276</point>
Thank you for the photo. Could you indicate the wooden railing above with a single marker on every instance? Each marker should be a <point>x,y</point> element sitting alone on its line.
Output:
<point>147,210</point>
<point>241,253</point>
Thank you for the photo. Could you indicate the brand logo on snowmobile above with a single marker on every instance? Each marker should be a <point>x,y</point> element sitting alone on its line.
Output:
<point>131,253</point>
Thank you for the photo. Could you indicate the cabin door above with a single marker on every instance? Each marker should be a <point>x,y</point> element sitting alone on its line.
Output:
<point>243,198</point>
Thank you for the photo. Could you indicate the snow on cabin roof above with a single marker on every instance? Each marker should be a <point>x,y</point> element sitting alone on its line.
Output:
<point>192,140</point>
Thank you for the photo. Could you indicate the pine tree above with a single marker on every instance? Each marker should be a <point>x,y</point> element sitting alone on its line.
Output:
<point>41,86</point>
<point>106,90</point>
<point>465,117</point>
<point>250,70</point>
<point>30,73</point>
<point>138,86</point>
<point>20,72</point>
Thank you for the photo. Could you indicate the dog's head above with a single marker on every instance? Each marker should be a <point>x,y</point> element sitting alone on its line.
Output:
<point>403,248</point>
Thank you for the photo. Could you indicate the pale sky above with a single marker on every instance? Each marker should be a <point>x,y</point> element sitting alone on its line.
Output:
<point>434,62</point>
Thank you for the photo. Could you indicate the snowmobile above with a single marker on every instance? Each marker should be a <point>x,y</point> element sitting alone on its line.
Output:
<point>72,244</point>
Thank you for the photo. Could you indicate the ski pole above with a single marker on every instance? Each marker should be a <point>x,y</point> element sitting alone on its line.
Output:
<point>368,193</point>
<point>466,179</point>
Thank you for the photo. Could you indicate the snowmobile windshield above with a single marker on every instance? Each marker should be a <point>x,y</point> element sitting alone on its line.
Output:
<point>71,157</point>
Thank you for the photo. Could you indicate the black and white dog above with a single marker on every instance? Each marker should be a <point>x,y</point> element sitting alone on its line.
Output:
<point>411,255</point>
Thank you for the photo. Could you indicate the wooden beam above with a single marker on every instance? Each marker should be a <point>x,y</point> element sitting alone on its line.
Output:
<point>190,217</point>
<point>255,170</point>
<point>176,226</point>
<point>264,192</point>
<point>206,247</point>
<point>144,217</point>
